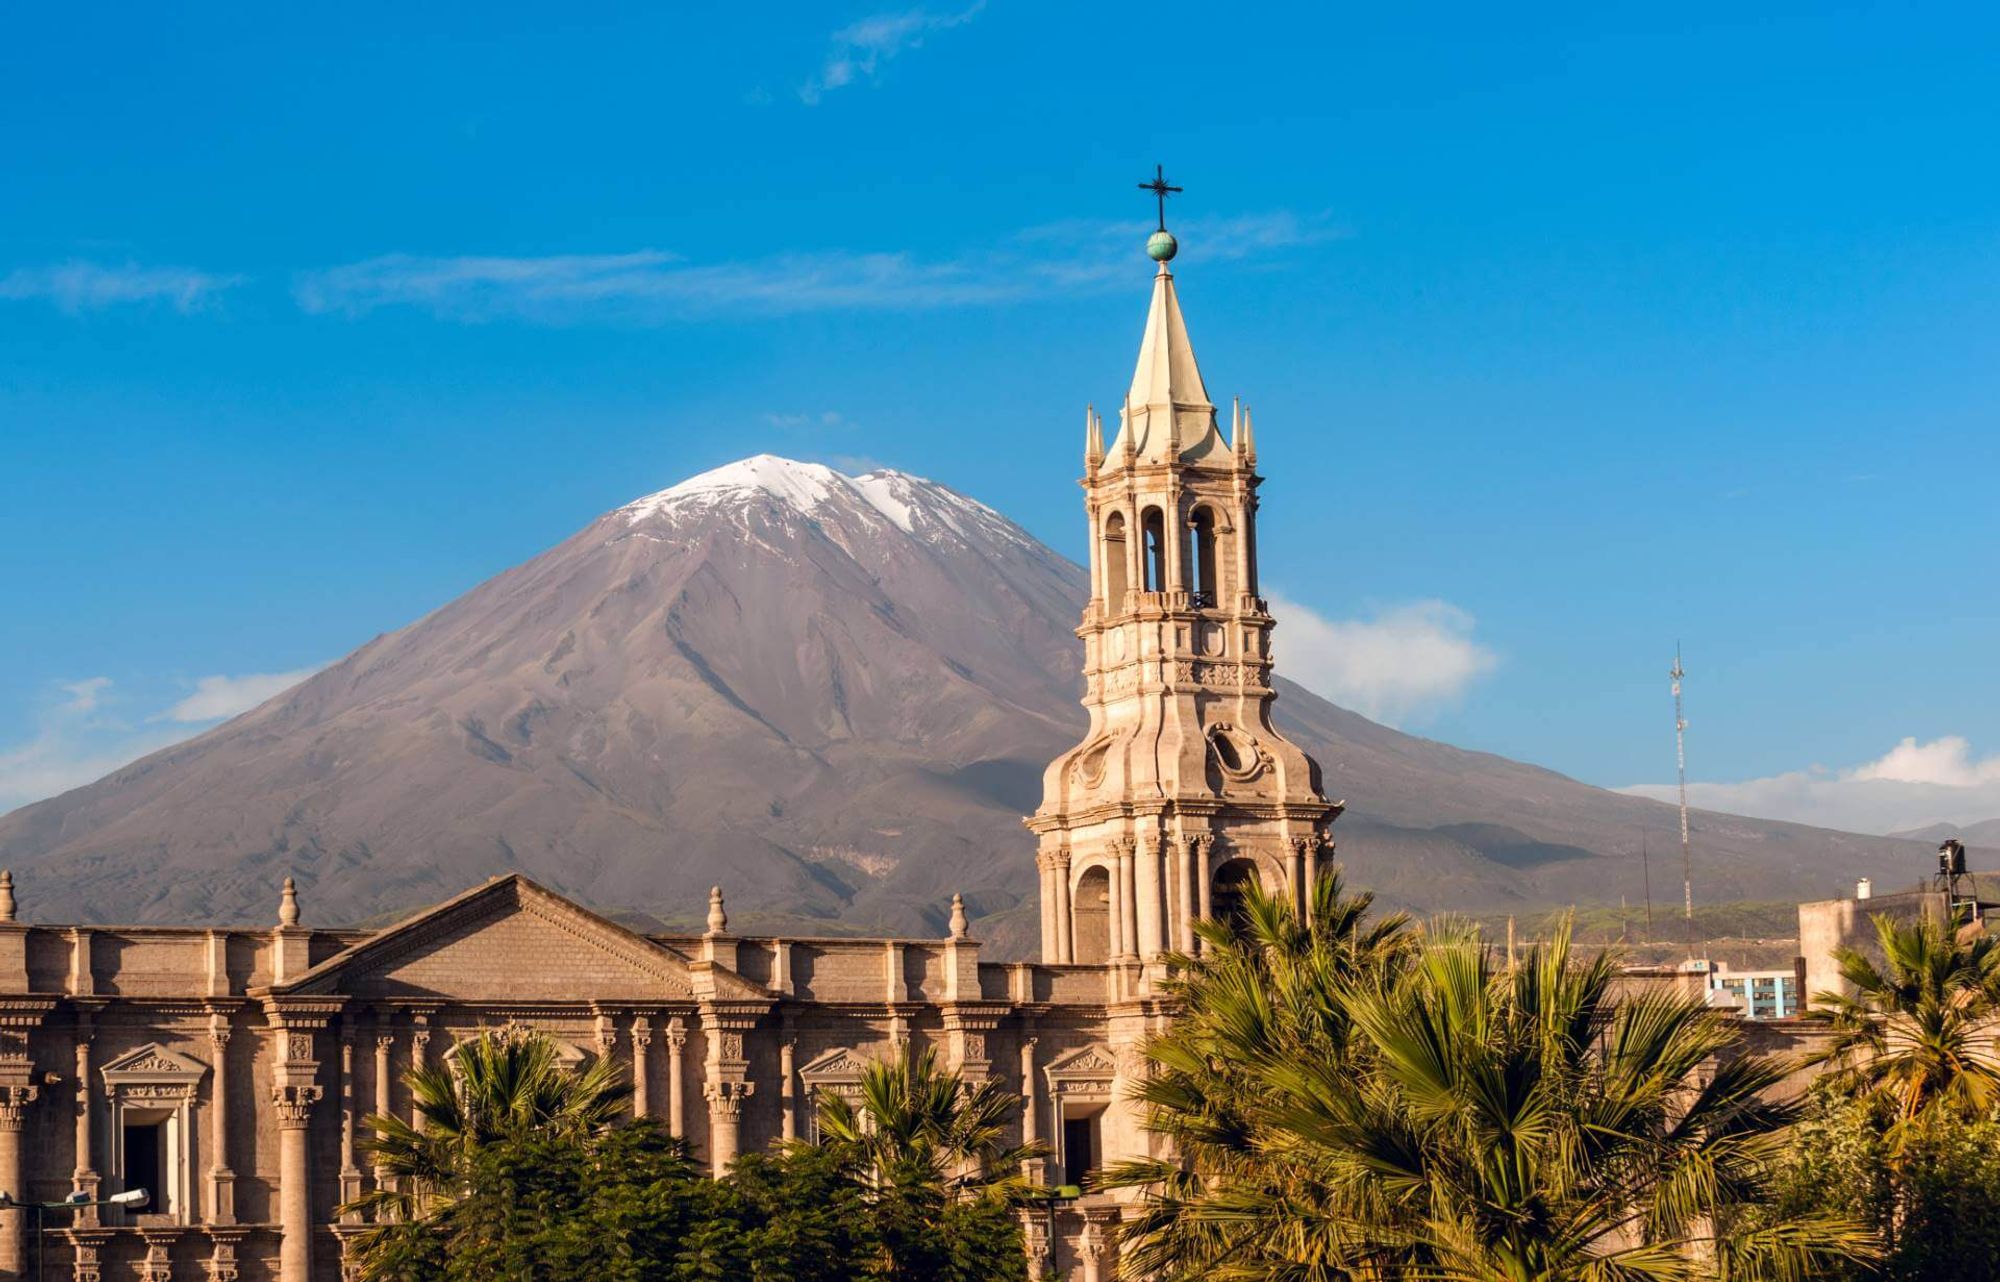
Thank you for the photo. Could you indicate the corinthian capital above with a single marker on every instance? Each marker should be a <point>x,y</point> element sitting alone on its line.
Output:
<point>14,1101</point>
<point>295,1103</point>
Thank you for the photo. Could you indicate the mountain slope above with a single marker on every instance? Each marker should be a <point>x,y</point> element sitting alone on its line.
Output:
<point>833,695</point>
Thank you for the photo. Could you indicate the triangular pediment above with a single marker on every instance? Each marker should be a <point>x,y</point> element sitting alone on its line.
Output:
<point>842,1064</point>
<point>1094,1061</point>
<point>511,940</point>
<point>153,1063</point>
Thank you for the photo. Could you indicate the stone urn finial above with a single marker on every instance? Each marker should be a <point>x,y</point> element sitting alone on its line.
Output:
<point>718,920</point>
<point>288,904</point>
<point>959,924</point>
<point>6,895</point>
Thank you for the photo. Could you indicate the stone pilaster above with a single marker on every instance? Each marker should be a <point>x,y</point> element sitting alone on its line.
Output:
<point>86,1246</point>
<point>224,1242</point>
<point>158,1265</point>
<point>84,1175</point>
<point>221,1177</point>
<point>350,1169</point>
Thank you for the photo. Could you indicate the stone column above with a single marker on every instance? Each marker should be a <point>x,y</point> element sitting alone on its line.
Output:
<point>725,1082</point>
<point>1128,900</point>
<point>15,1096</point>
<point>1031,1121</point>
<point>642,1041</point>
<point>677,1040</point>
<point>1297,873</point>
<point>294,1090</point>
<point>1151,857</point>
<point>294,1105</point>
<point>1045,868</point>
<point>787,1096</point>
<point>1204,871</point>
<point>385,1081</point>
<point>420,1038</point>
<point>221,1178</point>
<point>1065,953</point>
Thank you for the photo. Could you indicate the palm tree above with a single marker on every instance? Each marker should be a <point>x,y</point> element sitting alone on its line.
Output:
<point>1919,1035</point>
<point>930,1152</point>
<point>504,1085</point>
<point>915,1122</point>
<point>1393,1109</point>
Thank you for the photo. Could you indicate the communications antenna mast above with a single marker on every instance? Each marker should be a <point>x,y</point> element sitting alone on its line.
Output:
<point>1681,762</point>
<point>1646,871</point>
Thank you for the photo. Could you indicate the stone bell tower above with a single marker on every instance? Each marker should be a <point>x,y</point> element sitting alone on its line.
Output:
<point>1182,790</point>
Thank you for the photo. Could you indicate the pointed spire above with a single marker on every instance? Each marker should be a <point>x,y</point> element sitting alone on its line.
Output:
<point>6,895</point>
<point>1235,424</point>
<point>1093,439</point>
<point>288,904</point>
<point>718,920</point>
<point>959,924</point>
<point>1174,417</point>
<point>1246,446</point>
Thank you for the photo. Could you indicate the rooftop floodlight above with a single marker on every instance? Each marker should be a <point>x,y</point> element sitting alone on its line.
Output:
<point>130,1197</point>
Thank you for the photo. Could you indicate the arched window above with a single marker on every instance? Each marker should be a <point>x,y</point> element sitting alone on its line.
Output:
<point>1090,918</point>
<point>1156,549</point>
<point>1227,899</point>
<point>1114,562</point>
<point>1206,586</point>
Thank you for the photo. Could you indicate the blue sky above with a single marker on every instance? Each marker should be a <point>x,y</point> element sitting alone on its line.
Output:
<point>1570,333</point>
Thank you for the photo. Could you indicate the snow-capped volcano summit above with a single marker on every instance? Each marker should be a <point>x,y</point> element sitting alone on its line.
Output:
<point>910,503</point>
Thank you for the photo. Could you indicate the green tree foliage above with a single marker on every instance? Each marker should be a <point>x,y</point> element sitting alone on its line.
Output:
<point>520,1171</point>
<point>1361,1102</point>
<point>1918,1031</point>
<point>931,1151</point>
<point>1931,1187</point>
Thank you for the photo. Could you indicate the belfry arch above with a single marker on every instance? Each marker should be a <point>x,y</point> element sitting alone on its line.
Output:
<point>1114,565</point>
<point>1090,918</point>
<point>1232,879</point>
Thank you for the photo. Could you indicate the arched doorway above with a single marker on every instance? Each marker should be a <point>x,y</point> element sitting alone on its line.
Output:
<point>1226,901</point>
<point>1090,918</point>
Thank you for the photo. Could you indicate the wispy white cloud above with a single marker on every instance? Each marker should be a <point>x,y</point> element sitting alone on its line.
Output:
<point>1402,662</point>
<point>86,733</point>
<point>825,418</point>
<point>1913,785</point>
<point>83,286</point>
<point>856,52</point>
<point>83,695</point>
<point>652,286</point>
<point>217,697</point>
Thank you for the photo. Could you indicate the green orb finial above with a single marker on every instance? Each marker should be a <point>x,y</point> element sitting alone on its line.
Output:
<point>1161,246</point>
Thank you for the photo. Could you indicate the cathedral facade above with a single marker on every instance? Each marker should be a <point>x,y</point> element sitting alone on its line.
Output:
<point>228,1072</point>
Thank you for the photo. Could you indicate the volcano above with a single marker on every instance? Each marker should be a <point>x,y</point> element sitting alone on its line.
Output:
<point>832,695</point>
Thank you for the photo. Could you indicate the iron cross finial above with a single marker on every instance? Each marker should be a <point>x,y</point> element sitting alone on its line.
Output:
<point>1160,191</point>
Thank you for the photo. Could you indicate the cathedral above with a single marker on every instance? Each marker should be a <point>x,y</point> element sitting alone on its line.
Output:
<point>221,1077</point>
